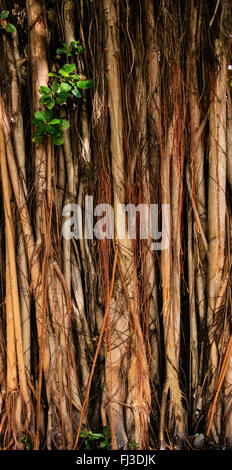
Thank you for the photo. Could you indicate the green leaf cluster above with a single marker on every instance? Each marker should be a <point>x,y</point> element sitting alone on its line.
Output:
<point>63,85</point>
<point>133,445</point>
<point>91,439</point>
<point>74,48</point>
<point>8,27</point>
<point>27,441</point>
<point>47,125</point>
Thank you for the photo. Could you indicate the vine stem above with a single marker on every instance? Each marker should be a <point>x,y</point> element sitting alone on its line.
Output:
<point>224,367</point>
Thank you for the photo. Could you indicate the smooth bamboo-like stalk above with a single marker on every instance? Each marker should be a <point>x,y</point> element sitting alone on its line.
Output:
<point>13,275</point>
<point>39,77</point>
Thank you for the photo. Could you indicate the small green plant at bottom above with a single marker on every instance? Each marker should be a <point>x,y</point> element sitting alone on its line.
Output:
<point>105,443</point>
<point>27,441</point>
<point>92,440</point>
<point>133,445</point>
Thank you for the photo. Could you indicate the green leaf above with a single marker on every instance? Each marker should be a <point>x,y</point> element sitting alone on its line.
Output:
<point>51,74</point>
<point>4,15</point>
<point>37,139</point>
<point>57,140</point>
<point>51,104</point>
<point>75,77</point>
<point>50,130</point>
<point>53,122</point>
<point>44,90</point>
<point>97,436</point>
<point>40,116</point>
<point>62,98</point>
<point>61,51</point>
<point>85,84</point>
<point>64,125</point>
<point>74,43</point>
<point>76,92</point>
<point>55,87</point>
<point>37,123</point>
<point>45,99</point>
<point>63,73</point>
<point>65,87</point>
<point>48,114</point>
<point>10,28</point>
<point>80,50</point>
<point>104,444</point>
<point>67,69</point>
<point>41,130</point>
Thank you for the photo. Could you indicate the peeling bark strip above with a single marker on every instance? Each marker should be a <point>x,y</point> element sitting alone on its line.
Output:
<point>12,279</point>
<point>172,192</point>
<point>217,185</point>
<point>217,267</point>
<point>198,247</point>
<point>110,334</point>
